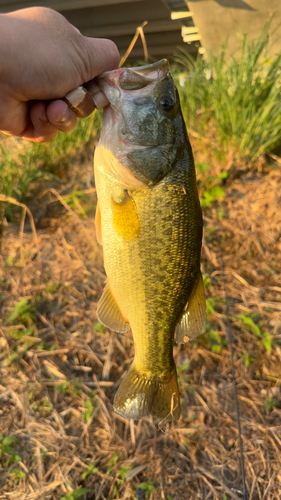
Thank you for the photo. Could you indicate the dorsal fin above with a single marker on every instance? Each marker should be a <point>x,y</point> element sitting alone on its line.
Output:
<point>192,320</point>
<point>109,314</point>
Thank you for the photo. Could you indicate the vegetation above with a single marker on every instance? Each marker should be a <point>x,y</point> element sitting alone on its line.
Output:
<point>239,97</point>
<point>60,368</point>
<point>23,163</point>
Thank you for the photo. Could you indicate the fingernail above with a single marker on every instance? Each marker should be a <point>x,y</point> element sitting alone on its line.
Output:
<point>43,118</point>
<point>65,116</point>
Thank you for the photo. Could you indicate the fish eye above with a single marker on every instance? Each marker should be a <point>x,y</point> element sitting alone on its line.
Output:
<point>166,103</point>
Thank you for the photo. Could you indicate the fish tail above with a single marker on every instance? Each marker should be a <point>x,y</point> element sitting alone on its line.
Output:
<point>142,394</point>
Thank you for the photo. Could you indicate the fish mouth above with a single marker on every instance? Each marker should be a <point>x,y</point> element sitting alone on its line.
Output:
<point>112,83</point>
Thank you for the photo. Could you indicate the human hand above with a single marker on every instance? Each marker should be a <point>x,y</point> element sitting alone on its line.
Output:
<point>42,58</point>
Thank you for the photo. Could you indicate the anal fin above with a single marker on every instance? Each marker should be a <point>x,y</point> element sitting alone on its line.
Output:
<point>109,314</point>
<point>192,320</point>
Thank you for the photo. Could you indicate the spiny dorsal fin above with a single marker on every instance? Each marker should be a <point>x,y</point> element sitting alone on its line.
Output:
<point>98,224</point>
<point>109,314</point>
<point>192,320</point>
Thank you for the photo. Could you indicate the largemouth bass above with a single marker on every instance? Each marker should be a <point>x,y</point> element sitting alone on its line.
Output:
<point>149,222</point>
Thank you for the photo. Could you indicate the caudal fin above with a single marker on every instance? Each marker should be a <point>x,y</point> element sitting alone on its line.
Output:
<point>140,395</point>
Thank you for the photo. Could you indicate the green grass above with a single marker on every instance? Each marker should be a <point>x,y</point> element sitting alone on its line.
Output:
<point>23,163</point>
<point>238,96</point>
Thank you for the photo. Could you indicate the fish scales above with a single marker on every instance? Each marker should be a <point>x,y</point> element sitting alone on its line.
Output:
<point>151,236</point>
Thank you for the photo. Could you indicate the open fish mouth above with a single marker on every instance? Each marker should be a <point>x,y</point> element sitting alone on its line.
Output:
<point>129,122</point>
<point>113,82</point>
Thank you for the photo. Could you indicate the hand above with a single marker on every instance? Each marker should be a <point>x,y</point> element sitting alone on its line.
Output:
<point>42,58</point>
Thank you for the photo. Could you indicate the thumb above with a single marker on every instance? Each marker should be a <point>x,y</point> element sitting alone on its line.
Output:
<point>100,54</point>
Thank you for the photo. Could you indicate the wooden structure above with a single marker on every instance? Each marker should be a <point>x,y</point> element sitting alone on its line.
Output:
<point>220,19</point>
<point>118,21</point>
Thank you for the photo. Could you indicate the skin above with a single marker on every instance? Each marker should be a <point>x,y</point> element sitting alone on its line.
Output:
<point>42,58</point>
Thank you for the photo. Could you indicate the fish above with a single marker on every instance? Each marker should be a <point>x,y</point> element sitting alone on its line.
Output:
<point>149,221</point>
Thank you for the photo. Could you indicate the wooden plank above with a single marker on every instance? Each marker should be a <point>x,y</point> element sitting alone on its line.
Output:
<point>129,29</point>
<point>118,20</point>
<point>189,30</point>
<point>192,38</point>
<point>60,5</point>
<point>163,46</point>
<point>181,15</point>
<point>152,39</point>
<point>159,52</point>
<point>117,14</point>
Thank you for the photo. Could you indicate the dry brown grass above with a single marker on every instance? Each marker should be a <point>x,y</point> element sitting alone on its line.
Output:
<point>65,361</point>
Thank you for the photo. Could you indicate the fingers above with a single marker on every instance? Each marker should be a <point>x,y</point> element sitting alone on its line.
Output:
<point>61,116</point>
<point>45,122</point>
<point>99,55</point>
<point>38,128</point>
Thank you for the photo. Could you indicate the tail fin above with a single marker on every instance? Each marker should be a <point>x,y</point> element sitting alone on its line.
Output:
<point>140,395</point>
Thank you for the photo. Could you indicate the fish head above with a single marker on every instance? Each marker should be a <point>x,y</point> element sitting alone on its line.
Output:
<point>143,126</point>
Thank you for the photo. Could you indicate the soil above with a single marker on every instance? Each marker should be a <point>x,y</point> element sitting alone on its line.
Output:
<point>60,368</point>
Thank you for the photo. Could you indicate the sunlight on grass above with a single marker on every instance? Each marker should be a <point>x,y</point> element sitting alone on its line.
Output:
<point>22,163</point>
<point>239,97</point>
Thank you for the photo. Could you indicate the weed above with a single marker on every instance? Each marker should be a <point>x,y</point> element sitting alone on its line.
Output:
<point>6,449</point>
<point>78,493</point>
<point>75,202</point>
<point>211,303</point>
<point>63,388</point>
<point>17,475</point>
<point>112,462</point>
<point>90,470</point>
<point>17,334</point>
<point>241,96</point>
<point>121,478</point>
<point>43,406</point>
<point>90,408</point>
<point>248,359</point>
<point>269,404</point>
<point>145,488</point>
<point>122,473</point>
<point>51,287</point>
<point>22,164</point>
<point>183,367</point>
<point>257,329</point>
<point>206,281</point>
<point>210,335</point>
<point>77,387</point>
<point>216,341</point>
<point>99,328</point>
<point>210,185</point>
<point>22,311</point>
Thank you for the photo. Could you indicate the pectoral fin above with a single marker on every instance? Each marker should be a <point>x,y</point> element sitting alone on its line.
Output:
<point>109,314</point>
<point>192,320</point>
<point>98,224</point>
<point>125,216</point>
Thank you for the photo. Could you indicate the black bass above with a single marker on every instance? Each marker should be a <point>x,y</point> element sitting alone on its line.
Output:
<point>149,222</point>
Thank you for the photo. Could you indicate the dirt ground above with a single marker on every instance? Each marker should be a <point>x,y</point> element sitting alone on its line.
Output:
<point>60,368</point>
